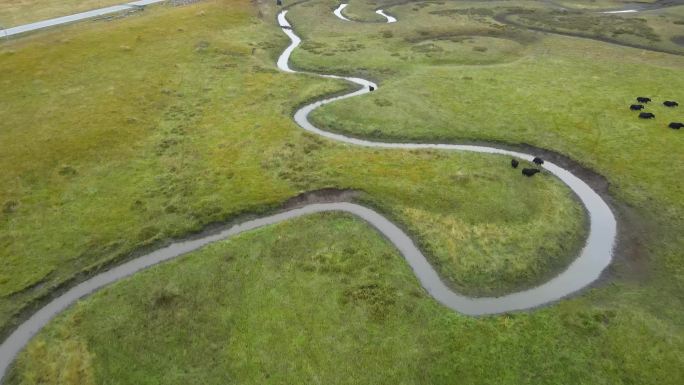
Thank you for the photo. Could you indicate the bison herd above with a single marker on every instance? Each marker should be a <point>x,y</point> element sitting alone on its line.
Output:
<point>634,107</point>
<point>650,115</point>
<point>528,171</point>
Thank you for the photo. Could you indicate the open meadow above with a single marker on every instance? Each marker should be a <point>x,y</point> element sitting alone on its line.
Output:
<point>118,136</point>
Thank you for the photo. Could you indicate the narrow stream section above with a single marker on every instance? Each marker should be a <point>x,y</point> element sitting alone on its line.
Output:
<point>625,11</point>
<point>338,12</point>
<point>390,19</point>
<point>594,257</point>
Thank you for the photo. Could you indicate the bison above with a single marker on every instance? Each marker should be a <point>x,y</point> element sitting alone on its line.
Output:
<point>676,125</point>
<point>646,115</point>
<point>514,163</point>
<point>670,103</point>
<point>636,107</point>
<point>371,88</point>
<point>642,99</point>
<point>538,161</point>
<point>530,171</point>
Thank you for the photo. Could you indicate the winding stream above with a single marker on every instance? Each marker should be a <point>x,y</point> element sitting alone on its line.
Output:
<point>390,19</point>
<point>594,257</point>
<point>585,269</point>
<point>338,12</point>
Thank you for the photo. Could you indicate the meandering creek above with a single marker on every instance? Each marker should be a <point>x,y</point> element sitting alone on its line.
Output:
<point>584,270</point>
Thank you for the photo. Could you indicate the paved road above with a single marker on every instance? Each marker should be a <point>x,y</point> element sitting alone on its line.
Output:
<point>76,17</point>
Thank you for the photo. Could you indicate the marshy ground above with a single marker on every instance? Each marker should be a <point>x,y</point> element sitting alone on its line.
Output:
<point>120,135</point>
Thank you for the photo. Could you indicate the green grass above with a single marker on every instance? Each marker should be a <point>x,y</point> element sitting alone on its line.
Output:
<point>645,30</point>
<point>174,123</point>
<point>566,94</point>
<point>362,11</point>
<point>559,93</point>
<point>17,12</point>
<point>296,303</point>
<point>156,125</point>
<point>599,4</point>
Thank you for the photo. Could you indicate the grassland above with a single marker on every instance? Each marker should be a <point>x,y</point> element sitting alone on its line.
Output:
<point>153,127</point>
<point>599,4</point>
<point>16,12</point>
<point>558,93</point>
<point>181,123</point>
<point>649,30</point>
<point>295,304</point>
<point>565,94</point>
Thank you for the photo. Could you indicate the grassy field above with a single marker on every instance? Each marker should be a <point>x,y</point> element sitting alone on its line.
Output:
<point>566,94</point>
<point>648,30</point>
<point>599,4</point>
<point>17,12</point>
<point>559,93</point>
<point>296,304</point>
<point>157,124</point>
<point>154,126</point>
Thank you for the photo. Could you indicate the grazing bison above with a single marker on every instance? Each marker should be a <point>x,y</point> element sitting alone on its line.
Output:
<point>636,107</point>
<point>642,99</point>
<point>676,125</point>
<point>371,88</point>
<point>670,103</point>
<point>646,115</point>
<point>530,171</point>
<point>538,161</point>
<point>514,163</point>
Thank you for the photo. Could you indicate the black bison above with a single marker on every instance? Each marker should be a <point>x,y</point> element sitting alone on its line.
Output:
<point>538,161</point>
<point>676,125</point>
<point>646,115</point>
<point>636,107</point>
<point>642,99</point>
<point>371,88</point>
<point>530,171</point>
<point>514,163</point>
<point>670,103</point>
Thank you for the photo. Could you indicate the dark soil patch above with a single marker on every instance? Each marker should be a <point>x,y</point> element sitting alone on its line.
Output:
<point>679,40</point>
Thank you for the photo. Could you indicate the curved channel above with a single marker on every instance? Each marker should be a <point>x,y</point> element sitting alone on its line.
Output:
<point>634,8</point>
<point>23,334</point>
<point>585,269</point>
<point>338,12</point>
<point>390,19</point>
